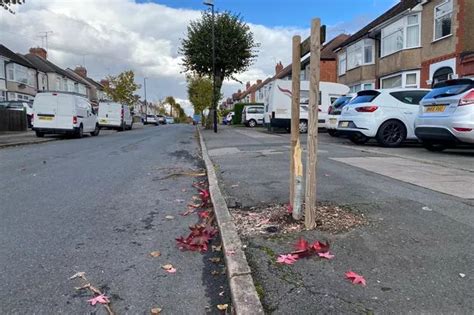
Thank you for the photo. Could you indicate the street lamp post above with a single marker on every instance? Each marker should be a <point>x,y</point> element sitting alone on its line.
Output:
<point>146,104</point>
<point>214,102</point>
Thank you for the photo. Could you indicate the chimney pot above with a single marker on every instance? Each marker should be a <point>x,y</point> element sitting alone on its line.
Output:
<point>38,51</point>
<point>278,68</point>
<point>82,71</point>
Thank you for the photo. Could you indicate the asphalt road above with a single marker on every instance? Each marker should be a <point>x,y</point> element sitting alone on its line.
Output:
<point>416,251</point>
<point>99,205</point>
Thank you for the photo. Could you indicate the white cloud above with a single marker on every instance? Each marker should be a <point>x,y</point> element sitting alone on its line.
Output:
<point>114,35</point>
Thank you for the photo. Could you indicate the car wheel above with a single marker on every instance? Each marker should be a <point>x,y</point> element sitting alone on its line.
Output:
<point>252,123</point>
<point>332,132</point>
<point>39,134</point>
<point>391,134</point>
<point>303,126</point>
<point>96,131</point>
<point>80,132</point>
<point>434,147</point>
<point>358,138</point>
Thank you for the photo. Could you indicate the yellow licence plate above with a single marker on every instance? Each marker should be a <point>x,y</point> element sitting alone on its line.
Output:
<point>103,121</point>
<point>344,124</point>
<point>45,118</point>
<point>332,120</point>
<point>435,108</point>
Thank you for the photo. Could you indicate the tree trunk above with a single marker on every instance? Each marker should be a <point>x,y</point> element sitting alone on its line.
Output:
<point>209,119</point>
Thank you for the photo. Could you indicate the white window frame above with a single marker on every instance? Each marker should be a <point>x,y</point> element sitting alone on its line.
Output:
<point>3,72</point>
<point>362,44</point>
<point>3,95</point>
<point>361,87</point>
<point>404,79</point>
<point>12,74</point>
<point>342,57</point>
<point>435,18</point>
<point>405,35</point>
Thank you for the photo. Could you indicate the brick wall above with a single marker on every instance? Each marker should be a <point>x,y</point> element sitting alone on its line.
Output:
<point>328,70</point>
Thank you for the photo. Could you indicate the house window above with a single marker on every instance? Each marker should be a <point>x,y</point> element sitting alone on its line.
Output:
<point>402,34</point>
<point>58,83</point>
<point>3,95</point>
<point>342,64</point>
<point>442,74</point>
<point>2,69</point>
<point>401,80</point>
<point>355,88</point>
<point>359,87</point>
<point>361,53</point>
<point>443,14</point>
<point>20,74</point>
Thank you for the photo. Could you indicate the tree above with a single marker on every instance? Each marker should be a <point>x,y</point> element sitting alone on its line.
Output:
<point>234,48</point>
<point>6,4</point>
<point>121,88</point>
<point>200,94</point>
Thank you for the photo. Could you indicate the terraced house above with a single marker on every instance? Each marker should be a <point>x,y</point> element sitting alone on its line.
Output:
<point>416,43</point>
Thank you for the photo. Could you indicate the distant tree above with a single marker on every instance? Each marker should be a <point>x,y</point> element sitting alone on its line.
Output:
<point>200,95</point>
<point>234,47</point>
<point>7,4</point>
<point>121,88</point>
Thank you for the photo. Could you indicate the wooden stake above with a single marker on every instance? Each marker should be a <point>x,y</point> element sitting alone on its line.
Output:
<point>298,200</point>
<point>295,110</point>
<point>311,179</point>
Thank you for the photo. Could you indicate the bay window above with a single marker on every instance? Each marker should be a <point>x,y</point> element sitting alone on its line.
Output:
<point>360,87</point>
<point>20,74</point>
<point>342,63</point>
<point>443,15</point>
<point>401,80</point>
<point>2,68</point>
<point>402,34</point>
<point>361,53</point>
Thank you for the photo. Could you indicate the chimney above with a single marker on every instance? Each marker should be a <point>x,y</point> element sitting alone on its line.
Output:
<point>82,71</point>
<point>38,51</point>
<point>278,67</point>
<point>259,82</point>
<point>247,86</point>
<point>104,82</point>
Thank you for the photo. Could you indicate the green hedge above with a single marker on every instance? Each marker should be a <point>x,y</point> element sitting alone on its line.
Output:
<point>237,119</point>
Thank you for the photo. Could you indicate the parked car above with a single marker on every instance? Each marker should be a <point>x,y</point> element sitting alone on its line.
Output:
<point>161,119</point>
<point>169,120</point>
<point>446,115</point>
<point>334,112</point>
<point>64,113</point>
<point>228,118</point>
<point>387,115</point>
<point>151,119</point>
<point>252,115</point>
<point>196,119</point>
<point>20,105</point>
<point>114,115</point>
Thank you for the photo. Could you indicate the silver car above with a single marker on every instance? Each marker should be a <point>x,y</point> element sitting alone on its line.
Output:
<point>446,115</point>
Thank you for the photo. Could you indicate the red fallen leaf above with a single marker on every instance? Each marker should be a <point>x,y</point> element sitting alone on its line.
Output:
<point>203,214</point>
<point>289,259</point>
<point>289,208</point>
<point>320,247</point>
<point>101,299</point>
<point>326,255</point>
<point>355,278</point>
<point>302,245</point>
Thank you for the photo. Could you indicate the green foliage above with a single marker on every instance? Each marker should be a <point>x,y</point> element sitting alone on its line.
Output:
<point>121,88</point>
<point>237,119</point>
<point>199,92</point>
<point>179,114</point>
<point>234,48</point>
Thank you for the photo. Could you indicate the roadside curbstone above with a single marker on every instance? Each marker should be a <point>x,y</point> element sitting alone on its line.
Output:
<point>244,296</point>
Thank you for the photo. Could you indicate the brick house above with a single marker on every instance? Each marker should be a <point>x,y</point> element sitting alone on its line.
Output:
<point>413,44</point>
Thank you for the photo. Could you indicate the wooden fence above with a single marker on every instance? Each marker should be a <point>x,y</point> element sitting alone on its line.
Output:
<point>13,120</point>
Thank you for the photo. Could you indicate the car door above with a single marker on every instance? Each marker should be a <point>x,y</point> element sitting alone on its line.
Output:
<point>259,115</point>
<point>90,118</point>
<point>408,107</point>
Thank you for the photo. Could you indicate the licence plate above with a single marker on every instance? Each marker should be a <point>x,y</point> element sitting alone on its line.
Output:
<point>45,118</point>
<point>344,124</point>
<point>435,108</point>
<point>332,120</point>
<point>103,121</point>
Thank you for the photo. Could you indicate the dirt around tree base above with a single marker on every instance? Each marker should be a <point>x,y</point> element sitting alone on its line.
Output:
<point>275,219</point>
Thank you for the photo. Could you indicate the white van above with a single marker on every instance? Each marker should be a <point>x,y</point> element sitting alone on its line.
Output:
<point>115,116</point>
<point>278,104</point>
<point>64,113</point>
<point>252,115</point>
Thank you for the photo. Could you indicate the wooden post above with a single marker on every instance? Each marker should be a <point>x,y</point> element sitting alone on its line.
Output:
<point>295,111</point>
<point>298,200</point>
<point>312,146</point>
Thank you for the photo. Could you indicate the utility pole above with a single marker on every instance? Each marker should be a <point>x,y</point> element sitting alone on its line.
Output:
<point>311,177</point>
<point>214,100</point>
<point>146,104</point>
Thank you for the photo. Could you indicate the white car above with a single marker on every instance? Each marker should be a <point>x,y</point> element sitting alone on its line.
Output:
<point>446,116</point>
<point>115,116</point>
<point>334,112</point>
<point>151,119</point>
<point>252,115</point>
<point>64,113</point>
<point>387,115</point>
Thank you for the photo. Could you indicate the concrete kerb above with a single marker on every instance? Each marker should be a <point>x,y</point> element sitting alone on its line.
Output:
<point>243,293</point>
<point>15,144</point>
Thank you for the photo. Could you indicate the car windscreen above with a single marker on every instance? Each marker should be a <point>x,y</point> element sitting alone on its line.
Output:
<point>365,97</point>
<point>341,101</point>
<point>450,89</point>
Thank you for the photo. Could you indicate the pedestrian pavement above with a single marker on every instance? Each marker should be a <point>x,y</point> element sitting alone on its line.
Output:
<point>415,251</point>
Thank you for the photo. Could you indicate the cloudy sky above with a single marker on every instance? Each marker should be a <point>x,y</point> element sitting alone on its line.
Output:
<point>109,36</point>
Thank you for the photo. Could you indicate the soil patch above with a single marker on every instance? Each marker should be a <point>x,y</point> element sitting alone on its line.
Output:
<point>275,219</point>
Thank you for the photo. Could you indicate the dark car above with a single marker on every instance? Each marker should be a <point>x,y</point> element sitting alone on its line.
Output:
<point>20,105</point>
